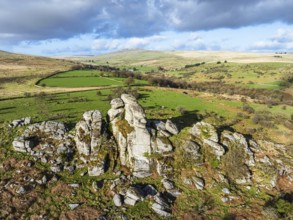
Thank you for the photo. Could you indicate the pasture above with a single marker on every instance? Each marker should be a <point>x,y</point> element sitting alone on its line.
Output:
<point>85,78</point>
<point>158,103</point>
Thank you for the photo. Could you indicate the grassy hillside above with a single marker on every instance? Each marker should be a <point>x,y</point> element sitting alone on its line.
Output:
<point>18,73</point>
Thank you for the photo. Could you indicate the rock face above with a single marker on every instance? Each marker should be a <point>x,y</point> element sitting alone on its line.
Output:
<point>129,129</point>
<point>88,132</point>
<point>134,139</point>
<point>207,135</point>
<point>204,131</point>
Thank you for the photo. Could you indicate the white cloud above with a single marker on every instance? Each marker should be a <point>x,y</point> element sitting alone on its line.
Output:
<point>282,40</point>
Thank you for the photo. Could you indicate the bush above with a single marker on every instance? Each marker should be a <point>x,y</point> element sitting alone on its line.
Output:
<point>248,108</point>
<point>182,110</point>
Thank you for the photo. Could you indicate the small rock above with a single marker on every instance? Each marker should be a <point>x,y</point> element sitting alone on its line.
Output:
<point>198,182</point>
<point>56,169</point>
<point>226,190</point>
<point>168,184</point>
<point>74,185</point>
<point>44,160</point>
<point>96,170</point>
<point>161,210</point>
<point>161,207</point>
<point>73,206</point>
<point>117,199</point>
<point>44,179</point>
<point>171,127</point>
<point>132,196</point>
<point>21,190</point>
<point>149,190</point>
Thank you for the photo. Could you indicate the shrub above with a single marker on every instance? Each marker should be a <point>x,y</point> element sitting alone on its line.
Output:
<point>247,108</point>
<point>182,110</point>
<point>129,81</point>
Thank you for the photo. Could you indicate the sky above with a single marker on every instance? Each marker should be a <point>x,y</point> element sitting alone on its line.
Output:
<point>92,27</point>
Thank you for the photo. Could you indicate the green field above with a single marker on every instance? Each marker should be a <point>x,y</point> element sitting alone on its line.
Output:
<point>85,78</point>
<point>72,105</point>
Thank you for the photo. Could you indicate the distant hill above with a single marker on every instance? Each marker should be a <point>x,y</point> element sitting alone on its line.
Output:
<point>175,59</point>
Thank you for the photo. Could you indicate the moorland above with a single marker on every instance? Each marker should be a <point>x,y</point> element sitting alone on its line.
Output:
<point>247,93</point>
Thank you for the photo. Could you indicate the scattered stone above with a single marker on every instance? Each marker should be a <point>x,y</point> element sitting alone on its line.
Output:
<point>74,185</point>
<point>117,199</point>
<point>226,191</point>
<point>161,207</point>
<point>168,184</point>
<point>21,190</point>
<point>171,127</point>
<point>132,196</point>
<point>96,170</point>
<point>149,190</point>
<point>73,206</point>
<point>20,122</point>
<point>23,144</point>
<point>198,182</point>
<point>56,168</point>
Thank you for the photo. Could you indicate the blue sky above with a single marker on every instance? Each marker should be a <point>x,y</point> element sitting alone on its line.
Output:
<point>83,27</point>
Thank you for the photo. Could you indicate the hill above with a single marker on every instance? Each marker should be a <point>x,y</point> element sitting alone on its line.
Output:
<point>19,72</point>
<point>176,59</point>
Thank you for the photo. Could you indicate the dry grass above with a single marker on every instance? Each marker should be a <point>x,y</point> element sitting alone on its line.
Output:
<point>237,57</point>
<point>19,73</point>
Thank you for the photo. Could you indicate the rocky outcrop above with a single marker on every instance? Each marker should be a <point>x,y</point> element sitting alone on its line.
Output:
<point>207,135</point>
<point>201,157</point>
<point>134,138</point>
<point>20,122</point>
<point>89,132</point>
<point>204,131</point>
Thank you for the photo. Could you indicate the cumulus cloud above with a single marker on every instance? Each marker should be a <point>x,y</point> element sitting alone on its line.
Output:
<point>163,41</point>
<point>49,19</point>
<point>281,41</point>
<point>92,44</point>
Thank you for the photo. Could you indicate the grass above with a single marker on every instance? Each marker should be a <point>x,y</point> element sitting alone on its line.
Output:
<point>81,82</point>
<point>85,78</point>
<point>75,103</point>
<point>275,85</point>
<point>69,106</point>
